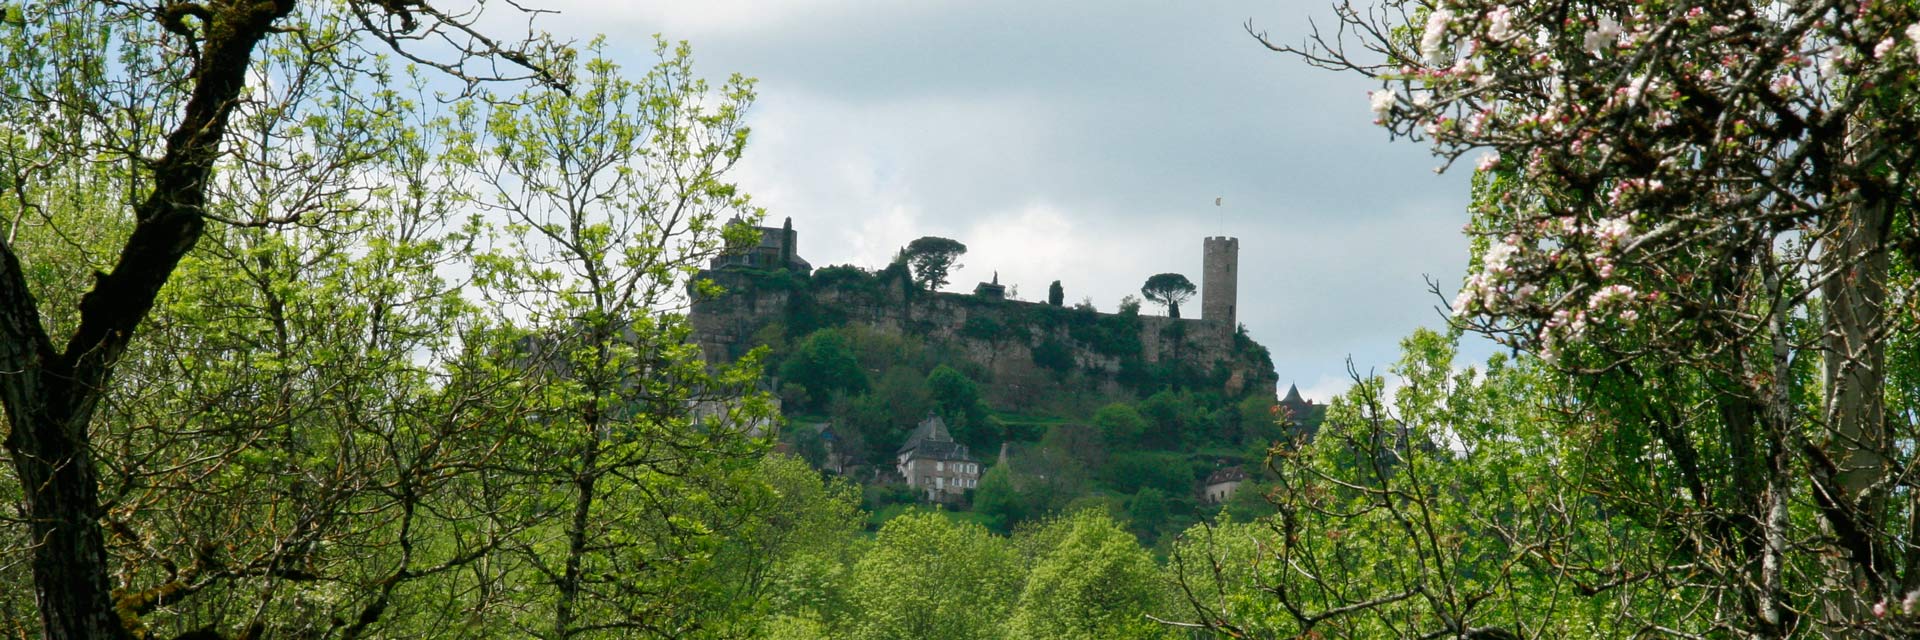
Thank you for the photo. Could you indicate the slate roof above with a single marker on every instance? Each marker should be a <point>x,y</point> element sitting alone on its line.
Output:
<point>1227,474</point>
<point>931,441</point>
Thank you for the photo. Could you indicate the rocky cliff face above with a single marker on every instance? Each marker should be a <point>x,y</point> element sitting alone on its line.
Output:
<point>1017,343</point>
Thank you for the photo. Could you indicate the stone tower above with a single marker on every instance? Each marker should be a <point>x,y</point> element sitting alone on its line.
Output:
<point>1219,283</point>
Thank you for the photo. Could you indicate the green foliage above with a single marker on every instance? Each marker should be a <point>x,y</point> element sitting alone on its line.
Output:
<point>616,534</point>
<point>788,550</point>
<point>824,365</point>
<point>999,501</point>
<point>1122,424</point>
<point>929,577</point>
<point>957,399</point>
<point>1250,502</point>
<point>1055,294</point>
<point>843,276</point>
<point>1390,513</point>
<point>876,423</point>
<point>436,403</point>
<point>1053,355</point>
<point>1129,472</point>
<point>1093,583</point>
<point>985,327</point>
<point>1175,418</point>
<point>1147,510</point>
<point>932,258</point>
<point>1169,290</point>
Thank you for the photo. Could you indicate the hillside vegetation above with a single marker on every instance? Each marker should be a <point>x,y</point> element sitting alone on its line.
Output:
<point>1087,417</point>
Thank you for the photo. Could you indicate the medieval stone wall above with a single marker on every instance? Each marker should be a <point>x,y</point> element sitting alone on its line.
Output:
<point>725,328</point>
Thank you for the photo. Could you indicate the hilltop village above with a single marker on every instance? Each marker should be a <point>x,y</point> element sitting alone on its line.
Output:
<point>1001,408</point>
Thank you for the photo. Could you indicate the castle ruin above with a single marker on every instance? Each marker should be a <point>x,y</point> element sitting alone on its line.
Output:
<point>1019,344</point>
<point>1220,281</point>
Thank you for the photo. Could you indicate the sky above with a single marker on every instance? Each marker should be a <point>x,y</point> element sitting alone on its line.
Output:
<point>1083,141</point>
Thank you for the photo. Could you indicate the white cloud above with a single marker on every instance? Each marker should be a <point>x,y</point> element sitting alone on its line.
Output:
<point>1323,389</point>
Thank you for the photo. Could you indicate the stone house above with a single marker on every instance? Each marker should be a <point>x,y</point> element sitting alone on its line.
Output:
<point>1221,484</point>
<point>778,248</point>
<point>932,463</point>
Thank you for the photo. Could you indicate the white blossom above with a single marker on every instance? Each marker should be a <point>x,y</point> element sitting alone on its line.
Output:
<point>1499,257</point>
<point>1434,40</point>
<point>1880,50</point>
<point>1500,24</point>
<point>1913,33</point>
<point>1488,161</point>
<point>1382,103</point>
<point>1636,88</point>
<point>1612,230</point>
<point>1602,36</point>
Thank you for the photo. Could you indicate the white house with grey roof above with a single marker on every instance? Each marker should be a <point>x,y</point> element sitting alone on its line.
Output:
<point>936,465</point>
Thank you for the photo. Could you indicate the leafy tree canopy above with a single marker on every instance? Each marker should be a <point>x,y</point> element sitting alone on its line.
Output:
<point>1168,290</point>
<point>932,258</point>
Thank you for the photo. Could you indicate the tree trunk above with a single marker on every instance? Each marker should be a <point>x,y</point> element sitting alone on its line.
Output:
<point>1856,264</point>
<point>50,395</point>
<point>1855,346</point>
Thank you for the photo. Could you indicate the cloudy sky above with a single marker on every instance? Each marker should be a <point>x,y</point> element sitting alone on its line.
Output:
<point>1084,141</point>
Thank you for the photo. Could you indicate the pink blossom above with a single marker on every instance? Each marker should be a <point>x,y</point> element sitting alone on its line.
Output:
<point>1880,50</point>
<point>1463,302</point>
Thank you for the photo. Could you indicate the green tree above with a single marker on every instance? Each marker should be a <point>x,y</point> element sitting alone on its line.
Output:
<point>1259,424</point>
<point>1709,234</point>
<point>1174,418</point>
<point>932,258</point>
<point>1056,295</point>
<point>1094,583</point>
<point>957,399</point>
<point>1048,476</point>
<point>121,144</point>
<point>1122,425</point>
<point>1168,290</point>
<point>824,365</point>
<point>998,501</point>
<point>884,416</point>
<point>627,459</point>
<point>1392,530</point>
<point>789,554</point>
<point>928,576</point>
<point>1250,501</point>
<point>1148,512</point>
